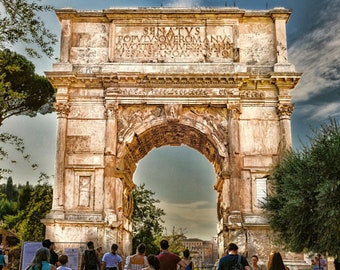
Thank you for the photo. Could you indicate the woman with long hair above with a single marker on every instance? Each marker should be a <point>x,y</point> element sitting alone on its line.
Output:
<point>41,260</point>
<point>275,261</point>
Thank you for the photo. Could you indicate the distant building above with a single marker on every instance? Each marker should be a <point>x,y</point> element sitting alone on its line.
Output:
<point>203,253</point>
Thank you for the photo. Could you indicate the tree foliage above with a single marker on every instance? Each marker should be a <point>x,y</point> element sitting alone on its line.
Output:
<point>31,228</point>
<point>20,22</point>
<point>146,218</point>
<point>22,92</point>
<point>175,239</point>
<point>26,219</point>
<point>303,207</point>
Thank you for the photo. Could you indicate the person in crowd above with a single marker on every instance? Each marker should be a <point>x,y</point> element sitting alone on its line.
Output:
<point>315,263</point>
<point>2,260</point>
<point>254,263</point>
<point>41,260</point>
<point>322,262</point>
<point>168,260</point>
<point>336,263</point>
<point>138,260</point>
<point>275,261</point>
<point>53,255</point>
<point>100,253</point>
<point>90,258</point>
<point>6,258</point>
<point>63,260</point>
<point>111,260</point>
<point>232,258</point>
<point>189,264</point>
<point>153,263</point>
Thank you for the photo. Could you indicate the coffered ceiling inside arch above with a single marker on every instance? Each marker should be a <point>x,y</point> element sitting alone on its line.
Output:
<point>172,134</point>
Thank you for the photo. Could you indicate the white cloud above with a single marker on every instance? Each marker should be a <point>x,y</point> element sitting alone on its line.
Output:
<point>317,112</point>
<point>184,3</point>
<point>198,219</point>
<point>317,55</point>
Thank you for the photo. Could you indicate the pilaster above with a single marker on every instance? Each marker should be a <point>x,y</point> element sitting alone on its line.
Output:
<point>62,109</point>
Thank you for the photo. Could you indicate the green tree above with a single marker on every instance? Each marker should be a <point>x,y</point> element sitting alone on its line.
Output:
<point>24,196</point>
<point>22,92</point>
<point>175,239</point>
<point>303,205</point>
<point>146,218</point>
<point>7,208</point>
<point>11,190</point>
<point>20,22</point>
<point>27,222</point>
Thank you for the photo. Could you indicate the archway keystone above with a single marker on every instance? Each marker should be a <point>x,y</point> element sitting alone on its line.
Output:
<point>130,80</point>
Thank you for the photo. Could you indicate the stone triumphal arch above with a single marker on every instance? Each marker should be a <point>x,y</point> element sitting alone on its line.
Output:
<point>129,80</point>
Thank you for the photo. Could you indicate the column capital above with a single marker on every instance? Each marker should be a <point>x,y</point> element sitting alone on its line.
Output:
<point>111,109</point>
<point>62,109</point>
<point>285,110</point>
<point>234,110</point>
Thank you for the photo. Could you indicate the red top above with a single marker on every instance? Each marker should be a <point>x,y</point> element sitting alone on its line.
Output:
<point>168,261</point>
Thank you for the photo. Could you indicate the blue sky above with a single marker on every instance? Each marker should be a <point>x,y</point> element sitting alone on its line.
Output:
<point>181,177</point>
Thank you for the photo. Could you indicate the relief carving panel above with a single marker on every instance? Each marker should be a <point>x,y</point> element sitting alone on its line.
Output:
<point>84,191</point>
<point>257,42</point>
<point>78,144</point>
<point>89,44</point>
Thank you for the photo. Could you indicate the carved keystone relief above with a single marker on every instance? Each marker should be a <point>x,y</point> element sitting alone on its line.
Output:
<point>173,111</point>
<point>167,43</point>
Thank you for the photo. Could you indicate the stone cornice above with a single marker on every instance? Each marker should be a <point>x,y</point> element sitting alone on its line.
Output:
<point>110,80</point>
<point>107,15</point>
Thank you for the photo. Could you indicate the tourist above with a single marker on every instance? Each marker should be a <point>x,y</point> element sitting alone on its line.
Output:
<point>50,246</point>
<point>336,263</point>
<point>111,260</point>
<point>6,258</point>
<point>41,260</point>
<point>138,260</point>
<point>275,261</point>
<point>323,262</point>
<point>2,260</point>
<point>189,265</point>
<point>90,259</point>
<point>63,260</point>
<point>100,253</point>
<point>153,263</point>
<point>168,260</point>
<point>254,263</point>
<point>232,258</point>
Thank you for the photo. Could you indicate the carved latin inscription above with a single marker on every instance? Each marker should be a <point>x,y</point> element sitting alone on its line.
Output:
<point>166,43</point>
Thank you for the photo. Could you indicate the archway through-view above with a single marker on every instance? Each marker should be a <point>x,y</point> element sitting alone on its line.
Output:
<point>183,181</point>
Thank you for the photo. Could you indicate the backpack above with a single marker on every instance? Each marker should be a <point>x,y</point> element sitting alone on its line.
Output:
<point>188,267</point>
<point>91,260</point>
<point>238,265</point>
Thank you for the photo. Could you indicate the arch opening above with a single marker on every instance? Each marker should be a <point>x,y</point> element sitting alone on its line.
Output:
<point>182,179</point>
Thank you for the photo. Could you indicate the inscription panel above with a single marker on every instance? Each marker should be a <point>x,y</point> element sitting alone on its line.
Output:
<point>178,43</point>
